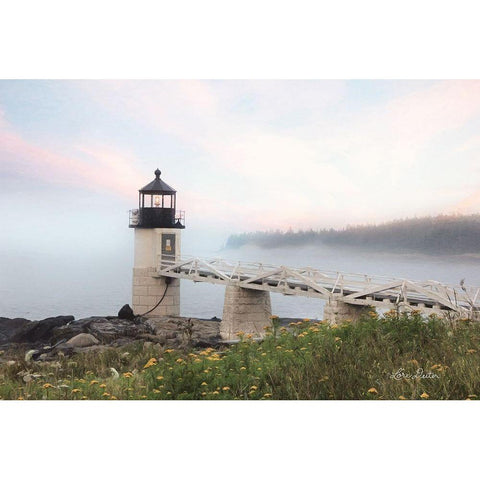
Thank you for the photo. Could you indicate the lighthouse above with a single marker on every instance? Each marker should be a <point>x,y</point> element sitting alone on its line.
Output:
<point>158,226</point>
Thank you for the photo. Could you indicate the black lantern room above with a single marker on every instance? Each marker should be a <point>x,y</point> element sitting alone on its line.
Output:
<point>157,203</point>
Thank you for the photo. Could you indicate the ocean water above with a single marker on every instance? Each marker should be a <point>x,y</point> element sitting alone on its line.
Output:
<point>38,286</point>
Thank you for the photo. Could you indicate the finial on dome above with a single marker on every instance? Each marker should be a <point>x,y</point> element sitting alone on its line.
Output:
<point>157,173</point>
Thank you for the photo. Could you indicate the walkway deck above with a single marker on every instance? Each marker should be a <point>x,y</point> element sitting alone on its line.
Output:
<point>356,289</point>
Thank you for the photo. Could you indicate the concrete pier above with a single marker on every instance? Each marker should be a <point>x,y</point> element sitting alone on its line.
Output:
<point>245,310</point>
<point>336,311</point>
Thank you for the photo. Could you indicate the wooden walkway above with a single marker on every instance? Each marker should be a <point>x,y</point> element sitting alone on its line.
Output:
<point>356,289</point>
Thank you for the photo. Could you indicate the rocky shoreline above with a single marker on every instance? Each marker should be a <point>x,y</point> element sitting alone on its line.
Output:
<point>47,339</point>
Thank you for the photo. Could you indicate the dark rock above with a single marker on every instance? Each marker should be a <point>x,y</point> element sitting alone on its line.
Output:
<point>65,332</point>
<point>9,327</point>
<point>41,331</point>
<point>121,342</point>
<point>92,348</point>
<point>108,331</point>
<point>82,340</point>
<point>64,350</point>
<point>61,336</point>
<point>205,343</point>
<point>126,313</point>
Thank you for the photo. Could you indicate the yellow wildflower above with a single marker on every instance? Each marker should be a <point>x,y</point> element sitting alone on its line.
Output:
<point>159,377</point>
<point>128,374</point>
<point>253,387</point>
<point>47,386</point>
<point>113,397</point>
<point>82,380</point>
<point>263,354</point>
<point>226,389</point>
<point>373,390</point>
<point>204,393</point>
<point>93,382</point>
<point>471,350</point>
<point>401,397</point>
<point>472,396</point>
<point>424,395</point>
<point>84,398</point>
<point>267,395</point>
<point>203,384</point>
<point>102,385</point>
<point>179,360</point>
<point>20,398</point>
<point>76,390</point>
<point>215,392</point>
<point>169,350</point>
<point>150,363</point>
<point>156,391</point>
<point>249,336</point>
<point>105,394</point>
<point>243,368</point>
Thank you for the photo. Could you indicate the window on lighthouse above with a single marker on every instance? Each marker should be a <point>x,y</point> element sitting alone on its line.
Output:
<point>157,201</point>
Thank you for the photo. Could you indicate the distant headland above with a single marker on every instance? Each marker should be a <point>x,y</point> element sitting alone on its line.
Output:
<point>439,235</point>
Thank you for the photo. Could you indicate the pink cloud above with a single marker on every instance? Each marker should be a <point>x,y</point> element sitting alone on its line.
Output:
<point>380,146</point>
<point>93,167</point>
<point>315,172</point>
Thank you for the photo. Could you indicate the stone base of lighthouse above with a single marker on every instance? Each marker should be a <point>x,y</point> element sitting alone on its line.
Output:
<point>153,245</point>
<point>337,312</point>
<point>245,310</point>
<point>148,290</point>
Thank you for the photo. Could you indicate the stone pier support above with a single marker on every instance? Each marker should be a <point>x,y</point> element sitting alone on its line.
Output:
<point>245,310</point>
<point>336,311</point>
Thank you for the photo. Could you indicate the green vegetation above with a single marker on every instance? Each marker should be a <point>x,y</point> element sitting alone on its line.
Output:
<point>387,357</point>
<point>444,234</point>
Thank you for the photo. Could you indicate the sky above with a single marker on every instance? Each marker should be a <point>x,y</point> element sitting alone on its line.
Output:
<point>242,155</point>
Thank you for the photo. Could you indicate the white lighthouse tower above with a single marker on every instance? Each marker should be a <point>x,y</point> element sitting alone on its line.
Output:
<point>158,229</point>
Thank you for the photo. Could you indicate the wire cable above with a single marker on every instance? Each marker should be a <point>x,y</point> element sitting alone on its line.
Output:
<point>159,302</point>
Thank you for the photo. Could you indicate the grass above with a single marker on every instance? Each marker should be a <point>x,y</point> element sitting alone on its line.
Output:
<point>378,357</point>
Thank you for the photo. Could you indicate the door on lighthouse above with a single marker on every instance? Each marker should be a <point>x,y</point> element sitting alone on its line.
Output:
<point>168,248</point>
